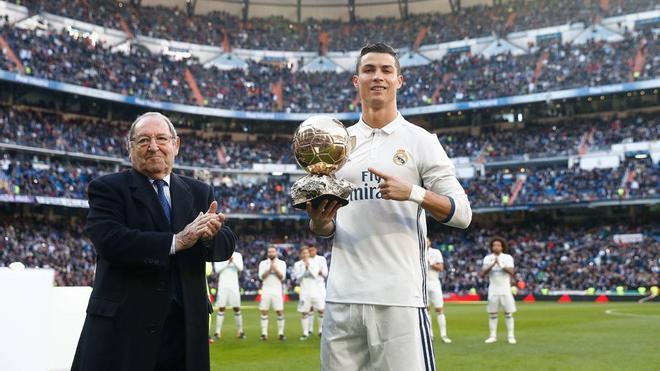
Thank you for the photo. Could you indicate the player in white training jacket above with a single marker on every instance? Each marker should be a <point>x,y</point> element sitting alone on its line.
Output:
<point>434,289</point>
<point>272,272</point>
<point>229,293</point>
<point>499,268</point>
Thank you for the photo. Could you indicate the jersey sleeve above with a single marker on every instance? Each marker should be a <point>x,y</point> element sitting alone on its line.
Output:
<point>508,263</point>
<point>282,266</point>
<point>314,267</point>
<point>486,262</point>
<point>297,271</point>
<point>262,269</point>
<point>439,176</point>
<point>324,267</point>
<point>238,262</point>
<point>220,266</point>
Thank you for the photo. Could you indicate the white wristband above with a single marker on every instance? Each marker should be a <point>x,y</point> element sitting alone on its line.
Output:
<point>417,194</point>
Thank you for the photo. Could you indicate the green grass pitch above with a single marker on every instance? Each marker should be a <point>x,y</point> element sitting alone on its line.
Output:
<point>551,336</point>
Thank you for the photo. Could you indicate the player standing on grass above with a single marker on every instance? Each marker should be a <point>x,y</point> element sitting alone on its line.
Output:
<point>229,293</point>
<point>272,272</point>
<point>320,282</point>
<point>434,289</point>
<point>306,270</point>
<point>376,316</point>
<point>500,270</point>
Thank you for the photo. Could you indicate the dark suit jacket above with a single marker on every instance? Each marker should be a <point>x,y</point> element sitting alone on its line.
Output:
<point>132,289</point>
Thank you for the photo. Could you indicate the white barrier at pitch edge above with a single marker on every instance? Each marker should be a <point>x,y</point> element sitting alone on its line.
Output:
<point>40,323</point>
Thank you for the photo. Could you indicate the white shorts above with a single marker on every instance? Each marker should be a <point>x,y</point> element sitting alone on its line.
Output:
<point>274,300</point>
<point>434,292</point>
<point>376,338</point>
<point>307,302</point>
<point>506,302</point>
<point>228,298</point>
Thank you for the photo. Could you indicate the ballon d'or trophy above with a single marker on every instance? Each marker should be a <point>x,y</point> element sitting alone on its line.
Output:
<point>321,145</point>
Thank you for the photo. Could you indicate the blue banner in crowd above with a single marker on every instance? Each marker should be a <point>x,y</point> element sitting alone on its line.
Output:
<point>345,116</point>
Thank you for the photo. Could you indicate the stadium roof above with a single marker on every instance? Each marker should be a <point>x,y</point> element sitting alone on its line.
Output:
<point>328,9</point>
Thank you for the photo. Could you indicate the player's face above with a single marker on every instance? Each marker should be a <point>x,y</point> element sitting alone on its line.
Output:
<point>496,247</point>
<point>312,252</point>
<point>378,80</point>
<point>152,147</point>
<point>272,253</point>
<point>304,254</point>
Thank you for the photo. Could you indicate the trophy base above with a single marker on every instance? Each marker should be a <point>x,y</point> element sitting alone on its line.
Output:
<point>317,201</point>
<point>316,188</point>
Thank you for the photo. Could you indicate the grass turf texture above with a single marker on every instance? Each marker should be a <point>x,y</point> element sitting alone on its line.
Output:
<point>551,336</point>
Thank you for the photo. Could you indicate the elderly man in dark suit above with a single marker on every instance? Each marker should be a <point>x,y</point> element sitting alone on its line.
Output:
<point>153,231</point>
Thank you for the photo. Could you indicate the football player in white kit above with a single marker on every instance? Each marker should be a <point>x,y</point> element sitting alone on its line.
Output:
<point>434,289</point>
<point>320,281</point>
<point>376,316</point>
<point>306,270</point>
<point>229,294</point>
<point>272,272</point>
<point>500,270</point>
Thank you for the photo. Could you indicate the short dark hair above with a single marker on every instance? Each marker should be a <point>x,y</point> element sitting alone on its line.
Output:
<point>501,240</point>
<point>378,48</point>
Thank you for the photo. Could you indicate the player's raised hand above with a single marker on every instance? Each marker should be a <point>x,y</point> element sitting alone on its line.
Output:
<point>391,187</point>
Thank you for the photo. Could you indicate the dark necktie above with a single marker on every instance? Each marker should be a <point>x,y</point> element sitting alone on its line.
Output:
<point>160,184</point>
<point>174,269</point>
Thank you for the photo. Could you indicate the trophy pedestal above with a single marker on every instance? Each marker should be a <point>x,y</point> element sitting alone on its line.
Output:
<point>316,188</point>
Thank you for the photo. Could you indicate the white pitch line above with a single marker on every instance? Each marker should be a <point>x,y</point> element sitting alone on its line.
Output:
<point>612,312</point>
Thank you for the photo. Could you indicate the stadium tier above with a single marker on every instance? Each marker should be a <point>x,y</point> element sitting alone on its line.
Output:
<point>101,137</point>
<point>278,33</point>
<point>635,179</point>
<point>262,86</point>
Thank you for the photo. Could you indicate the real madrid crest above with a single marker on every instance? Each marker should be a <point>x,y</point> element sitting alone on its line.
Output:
<point>400,157</point>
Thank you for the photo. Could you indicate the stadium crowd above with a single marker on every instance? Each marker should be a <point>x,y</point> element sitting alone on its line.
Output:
<point>278,33</point>
<point>94,136</point>
<point>458,77</point>
<point>554,257</point>
<point>32,175</point>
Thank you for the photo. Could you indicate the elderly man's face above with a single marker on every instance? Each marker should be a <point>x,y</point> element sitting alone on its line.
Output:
<point>152,147</point>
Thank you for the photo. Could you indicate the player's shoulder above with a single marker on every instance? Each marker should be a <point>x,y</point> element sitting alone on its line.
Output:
<point>237,254</point>
<point>508,256</point>
<point>416,129</point>
<point>422,139</point>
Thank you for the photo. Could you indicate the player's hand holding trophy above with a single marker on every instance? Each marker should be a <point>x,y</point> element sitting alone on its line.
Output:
<point>321,145</point>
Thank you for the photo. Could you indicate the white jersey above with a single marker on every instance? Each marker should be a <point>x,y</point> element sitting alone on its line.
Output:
<point>228,271</point>
<point>379,252</point>
<point>271,283</point>
<point>434,257</point>
<point>306,276</point>
<point>323,270</point>
<point>499,280</point>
